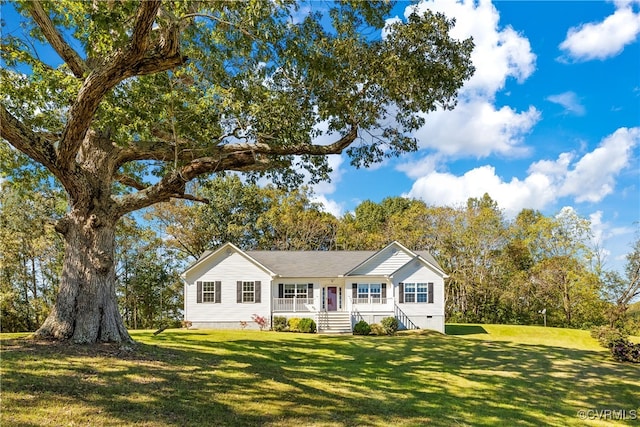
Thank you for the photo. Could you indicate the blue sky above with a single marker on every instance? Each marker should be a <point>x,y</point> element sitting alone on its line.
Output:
<point>550,120</point>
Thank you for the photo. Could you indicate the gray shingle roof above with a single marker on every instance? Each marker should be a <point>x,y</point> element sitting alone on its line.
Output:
<point>314,263</point>
<point>310,263</point>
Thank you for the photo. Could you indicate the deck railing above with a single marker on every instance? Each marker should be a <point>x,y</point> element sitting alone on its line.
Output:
<point>293,304</point>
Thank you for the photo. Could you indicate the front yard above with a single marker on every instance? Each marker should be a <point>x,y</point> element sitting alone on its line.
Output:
<point>483,375</point>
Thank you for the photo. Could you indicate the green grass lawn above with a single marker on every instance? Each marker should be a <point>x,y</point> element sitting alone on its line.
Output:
<point>483,375</point>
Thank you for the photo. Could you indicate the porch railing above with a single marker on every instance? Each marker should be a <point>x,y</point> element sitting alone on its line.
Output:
<point>371,300</point>
<point>293,304</point>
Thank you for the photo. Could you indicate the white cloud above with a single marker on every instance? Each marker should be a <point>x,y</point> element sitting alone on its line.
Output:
<point>331,206</point>
<point>601,40</point>
<point>477,127</point>
<point>447,189</point>
<point>594,174</point>
<point>587,179</point>
<point>570,102</point>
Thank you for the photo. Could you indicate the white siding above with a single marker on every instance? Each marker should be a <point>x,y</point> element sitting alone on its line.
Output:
<point>228,268</point>
<point>424,315</point>
<point>383,263</point>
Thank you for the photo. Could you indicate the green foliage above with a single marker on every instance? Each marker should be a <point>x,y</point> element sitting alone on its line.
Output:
<point>361,328</point>
<point>625,351</point>
<point>607,335</point>
<point>390,325</point>
<point>377,329</point>
<point>148,281</point>
<point>30,249</point>
<point>617,341</point>
<point>279,323</point>
<point>294,324</point>
<point>307,325</point>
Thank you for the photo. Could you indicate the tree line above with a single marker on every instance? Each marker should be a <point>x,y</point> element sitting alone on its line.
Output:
<point>500,270</point>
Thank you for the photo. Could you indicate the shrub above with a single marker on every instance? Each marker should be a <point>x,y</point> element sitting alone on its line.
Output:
<point>279,323</point>
<point>307,326</point>
<point>607,335</point>
<point>294,324</point>
<point>362,328</point>
<point>262,321</point>
<point>377,329</point>
<point>625,351</point>
<point>186,324</point>
<point>390,325</point>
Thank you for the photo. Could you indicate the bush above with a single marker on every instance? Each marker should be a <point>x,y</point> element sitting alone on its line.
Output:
<point>377,329</point>
<point>262,321</point>
<point>279,323</point>
<point>607,336</point>
<point>390,325</point>
<point>294,324</point>
<point>307,326</point>
<point>362,328</point>
<point>625,351</point>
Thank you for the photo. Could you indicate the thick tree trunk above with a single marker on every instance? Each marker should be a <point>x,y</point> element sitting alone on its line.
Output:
<point>86,309</point>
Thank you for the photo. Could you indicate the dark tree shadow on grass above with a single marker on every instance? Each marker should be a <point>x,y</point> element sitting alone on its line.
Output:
<point>464,329</point>
<point>186,378</point>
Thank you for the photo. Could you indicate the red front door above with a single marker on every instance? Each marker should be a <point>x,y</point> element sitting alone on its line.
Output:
<point>332,298</point>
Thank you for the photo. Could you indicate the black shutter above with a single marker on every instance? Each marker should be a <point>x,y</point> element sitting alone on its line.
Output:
<point>430,293</point>
<point>401,292</point>
<point>310,291</point>
<point>384,290</point>
<point>218,288</point>
<point>354,291</point>
<point>239,291</point>
<point>257,294</point>
<point>199,291</point>
<point>280,290</point>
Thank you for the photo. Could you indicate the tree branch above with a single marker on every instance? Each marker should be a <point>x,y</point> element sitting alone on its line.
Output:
<point>24,139</point>
<point>119,66</point>
<point>164,149</point>
<point>77,66</point>
<point>191,197</point>
<point>173,184</point>
<point>130,181</point>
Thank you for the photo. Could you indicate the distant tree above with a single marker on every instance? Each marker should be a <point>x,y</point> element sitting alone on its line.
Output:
<point>560,278</point>
<point>620,290</point>
<point>178,89</point>
<point>30,250</point>
<point>293,222</point>
<point>230,216</point>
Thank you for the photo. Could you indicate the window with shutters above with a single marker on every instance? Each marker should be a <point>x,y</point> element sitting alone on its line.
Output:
<point>208,292</point>
<point>418,292</point>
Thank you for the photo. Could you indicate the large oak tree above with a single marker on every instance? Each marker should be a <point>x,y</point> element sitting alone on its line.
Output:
<point>145,96</point>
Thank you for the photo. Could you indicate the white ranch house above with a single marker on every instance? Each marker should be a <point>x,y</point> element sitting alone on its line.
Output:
<point>335,288</point>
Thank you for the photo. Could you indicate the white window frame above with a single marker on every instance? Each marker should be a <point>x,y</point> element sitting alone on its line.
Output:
<point>209,292</point>
<point>416,292</point>
<point>248,292</point>
<point>296,290</point>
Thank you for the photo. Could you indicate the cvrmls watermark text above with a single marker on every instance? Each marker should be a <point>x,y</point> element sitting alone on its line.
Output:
<point>608,414</point>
